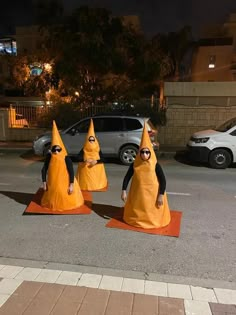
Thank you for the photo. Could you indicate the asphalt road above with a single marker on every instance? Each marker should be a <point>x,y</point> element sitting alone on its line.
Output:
<point>205,249</point>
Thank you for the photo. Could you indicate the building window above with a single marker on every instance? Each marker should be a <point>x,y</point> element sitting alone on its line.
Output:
<point>212,62</point>
<point>8,46</point>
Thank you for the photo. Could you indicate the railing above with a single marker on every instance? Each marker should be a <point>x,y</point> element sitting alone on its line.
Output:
<point>30,116</point>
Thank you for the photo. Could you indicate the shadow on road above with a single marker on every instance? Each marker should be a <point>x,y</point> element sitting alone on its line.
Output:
<point>23,198</point>
<point>29,155</point>
<point>107,211</point>
<point>182,157</point>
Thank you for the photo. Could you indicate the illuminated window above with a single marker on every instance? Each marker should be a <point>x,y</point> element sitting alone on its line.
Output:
<point>8,46</point>
<point>212,62</point>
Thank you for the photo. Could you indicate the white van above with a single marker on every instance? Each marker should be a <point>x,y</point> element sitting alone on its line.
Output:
<point>216,147</point>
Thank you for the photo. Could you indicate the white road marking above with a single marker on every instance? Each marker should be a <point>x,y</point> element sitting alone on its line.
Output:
<point>180,194</point>
<point>4,184</point>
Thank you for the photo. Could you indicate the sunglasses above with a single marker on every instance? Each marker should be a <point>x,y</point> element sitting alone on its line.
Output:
<point>145,152</point>
<point>56,150</point>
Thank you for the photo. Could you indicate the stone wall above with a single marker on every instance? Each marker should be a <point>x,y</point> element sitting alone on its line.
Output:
<point>183,121</point>
<point>24,134</point>
<point>16,134</point>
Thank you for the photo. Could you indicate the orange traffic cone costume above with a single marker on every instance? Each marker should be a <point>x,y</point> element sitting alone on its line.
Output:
<point>141,208</point>
<point>91,177</point>
<point>56,196</point>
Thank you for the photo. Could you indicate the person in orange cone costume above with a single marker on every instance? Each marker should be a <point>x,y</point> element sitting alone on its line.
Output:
<point>91,173</point>
<point>61,191</point>
<point>146,205</point>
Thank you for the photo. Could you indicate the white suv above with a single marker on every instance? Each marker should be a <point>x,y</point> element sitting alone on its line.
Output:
<point>216,147</point>
<point>118,136</point>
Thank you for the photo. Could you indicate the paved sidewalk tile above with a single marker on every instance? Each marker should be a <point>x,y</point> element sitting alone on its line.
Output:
<point>171,306</point>
<point>111,283</point>
<point>203,294</point>
<point>21,298</point>
<point>145,304</point>
<point>69,277</point>
<point>225,296</point>
<point>48,275</point>
<point>197,308</point>
<point>94,302</point>
<point>181,291</point>
<point>8,286</point>
<point>133,285</point>
<point>155,288</point>
<point>2,266</point>
<point>10,271</point>
<point>29,274</point>
<point>3,298</point>
<point>69,301</point>
<point>222,309</point>
<point>89,280</point>
<point>120,303</point>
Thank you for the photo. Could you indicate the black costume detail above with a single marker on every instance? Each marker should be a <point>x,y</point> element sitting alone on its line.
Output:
<point>69,166</point>
<point>159,173</point>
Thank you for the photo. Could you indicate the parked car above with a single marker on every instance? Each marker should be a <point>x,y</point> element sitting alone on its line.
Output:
<point>216,147</point>
<point>119,136</point>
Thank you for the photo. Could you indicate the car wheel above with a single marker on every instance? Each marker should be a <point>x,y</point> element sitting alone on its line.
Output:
<point>128,154</point>
<point>46,149</point>
<point>220,158</point>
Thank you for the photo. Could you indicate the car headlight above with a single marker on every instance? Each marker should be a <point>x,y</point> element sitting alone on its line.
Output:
<point>201,140</point>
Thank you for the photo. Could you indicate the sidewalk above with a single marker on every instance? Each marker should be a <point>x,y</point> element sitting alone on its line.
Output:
<point>15,144</point>
<point>42,291</point>
<point>165,151</point>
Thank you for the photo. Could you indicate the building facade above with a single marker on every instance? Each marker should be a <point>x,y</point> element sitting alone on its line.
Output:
<point>215,56</point>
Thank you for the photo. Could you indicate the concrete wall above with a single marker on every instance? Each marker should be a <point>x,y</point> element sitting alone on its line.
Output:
<point>183,121</point>
<point>188,89</point>
<point>195,106</point>
<point>16,134</point>
<point>24,134</point>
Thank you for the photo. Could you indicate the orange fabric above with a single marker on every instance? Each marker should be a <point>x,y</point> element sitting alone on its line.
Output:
<point>56,197</point>
<point>35,207</point>
<point>56,139</point>
<point>91,150</point>
<point>141,209</point>
<point>92,178</point>
<point>172,229</point>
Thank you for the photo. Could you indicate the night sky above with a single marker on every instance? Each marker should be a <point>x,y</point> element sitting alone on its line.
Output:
<point>155,15</point>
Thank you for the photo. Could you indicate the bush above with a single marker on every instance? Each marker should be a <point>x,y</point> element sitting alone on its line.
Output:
<point>64,114</point>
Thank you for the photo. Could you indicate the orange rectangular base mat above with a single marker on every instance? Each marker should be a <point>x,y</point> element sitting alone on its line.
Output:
<point>97,190</point>
<point>173,229</point>
<point>35,208</point>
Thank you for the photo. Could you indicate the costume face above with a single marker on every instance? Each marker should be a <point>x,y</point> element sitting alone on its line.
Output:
<point>56,149</point>
<point>91,139</point>
<point>145,154</point>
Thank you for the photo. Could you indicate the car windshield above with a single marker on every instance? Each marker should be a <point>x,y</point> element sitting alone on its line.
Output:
<point>226,125</point>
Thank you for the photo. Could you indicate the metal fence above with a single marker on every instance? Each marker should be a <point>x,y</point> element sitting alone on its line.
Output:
<point>30,116</point>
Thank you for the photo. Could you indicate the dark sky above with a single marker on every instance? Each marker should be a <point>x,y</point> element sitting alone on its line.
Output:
<point>155,15</point>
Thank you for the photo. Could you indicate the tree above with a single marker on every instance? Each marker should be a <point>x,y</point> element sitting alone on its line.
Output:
<point>175,45</point>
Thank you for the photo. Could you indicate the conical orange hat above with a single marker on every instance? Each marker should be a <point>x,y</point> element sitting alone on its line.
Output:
<point>145,143</point>
<point>88,147</point>
<point>56,138</point>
